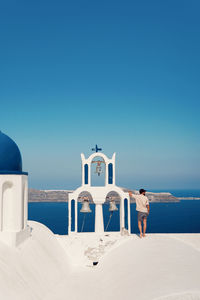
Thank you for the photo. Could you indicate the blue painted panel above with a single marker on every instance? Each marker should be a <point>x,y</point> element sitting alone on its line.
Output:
<point>110,173</point>
<point>72,215</point>
<point>86,173</point>
<point>126,213</point>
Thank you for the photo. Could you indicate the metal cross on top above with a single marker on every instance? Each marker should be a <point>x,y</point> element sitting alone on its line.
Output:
<point>96,149</point>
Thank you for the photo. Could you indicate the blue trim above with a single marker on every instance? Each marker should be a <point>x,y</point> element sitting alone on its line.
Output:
<point>110,173</point>
<point>12,173</point>
<point>73,215</point>
<point>126,213</point>
<point>86,173</point>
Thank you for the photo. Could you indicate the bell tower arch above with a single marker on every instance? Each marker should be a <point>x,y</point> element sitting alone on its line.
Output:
<point>109,168</point>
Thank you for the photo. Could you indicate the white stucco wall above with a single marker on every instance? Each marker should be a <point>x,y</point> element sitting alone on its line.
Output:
<point>13,209</point>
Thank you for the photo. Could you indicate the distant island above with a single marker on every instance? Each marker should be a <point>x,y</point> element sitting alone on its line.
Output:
<point>155,197</point>
<point>62,196</point>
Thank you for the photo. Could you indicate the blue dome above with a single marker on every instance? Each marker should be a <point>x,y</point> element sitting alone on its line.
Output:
<point>10,156</point>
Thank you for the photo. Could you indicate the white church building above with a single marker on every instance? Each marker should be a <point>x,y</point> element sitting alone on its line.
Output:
<point>13,194</point>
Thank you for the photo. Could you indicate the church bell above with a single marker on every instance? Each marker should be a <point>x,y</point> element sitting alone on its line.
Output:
<point>98,170</point>
<point>85,206</point>
<point>113,206</point>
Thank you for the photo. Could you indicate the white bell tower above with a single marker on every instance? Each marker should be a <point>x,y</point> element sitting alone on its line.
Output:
<point>98,194</point>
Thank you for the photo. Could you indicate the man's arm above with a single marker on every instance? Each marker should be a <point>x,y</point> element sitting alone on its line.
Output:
<point>130,193</point>
<point>148,208</point>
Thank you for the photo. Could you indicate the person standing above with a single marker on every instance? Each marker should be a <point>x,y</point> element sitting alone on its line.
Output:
<point>142,207</point>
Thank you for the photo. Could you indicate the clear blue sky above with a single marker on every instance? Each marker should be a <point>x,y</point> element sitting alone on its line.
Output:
<point>123,74</point>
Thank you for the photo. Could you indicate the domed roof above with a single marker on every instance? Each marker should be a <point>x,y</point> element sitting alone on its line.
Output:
<point>10,156</point>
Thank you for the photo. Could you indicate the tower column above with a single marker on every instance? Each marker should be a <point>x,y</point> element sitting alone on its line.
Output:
<point>99,226</point>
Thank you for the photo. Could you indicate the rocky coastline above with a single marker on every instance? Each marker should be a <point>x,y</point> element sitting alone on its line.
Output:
<point>35,195</point>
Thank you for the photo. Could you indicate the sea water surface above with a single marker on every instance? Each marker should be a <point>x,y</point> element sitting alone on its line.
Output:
<point>175,217</point>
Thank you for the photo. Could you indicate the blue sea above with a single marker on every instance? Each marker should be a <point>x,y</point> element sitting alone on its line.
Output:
<point>176,217</point>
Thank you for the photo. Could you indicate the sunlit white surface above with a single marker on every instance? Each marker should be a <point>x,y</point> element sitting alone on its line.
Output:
<point>52,267</point>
